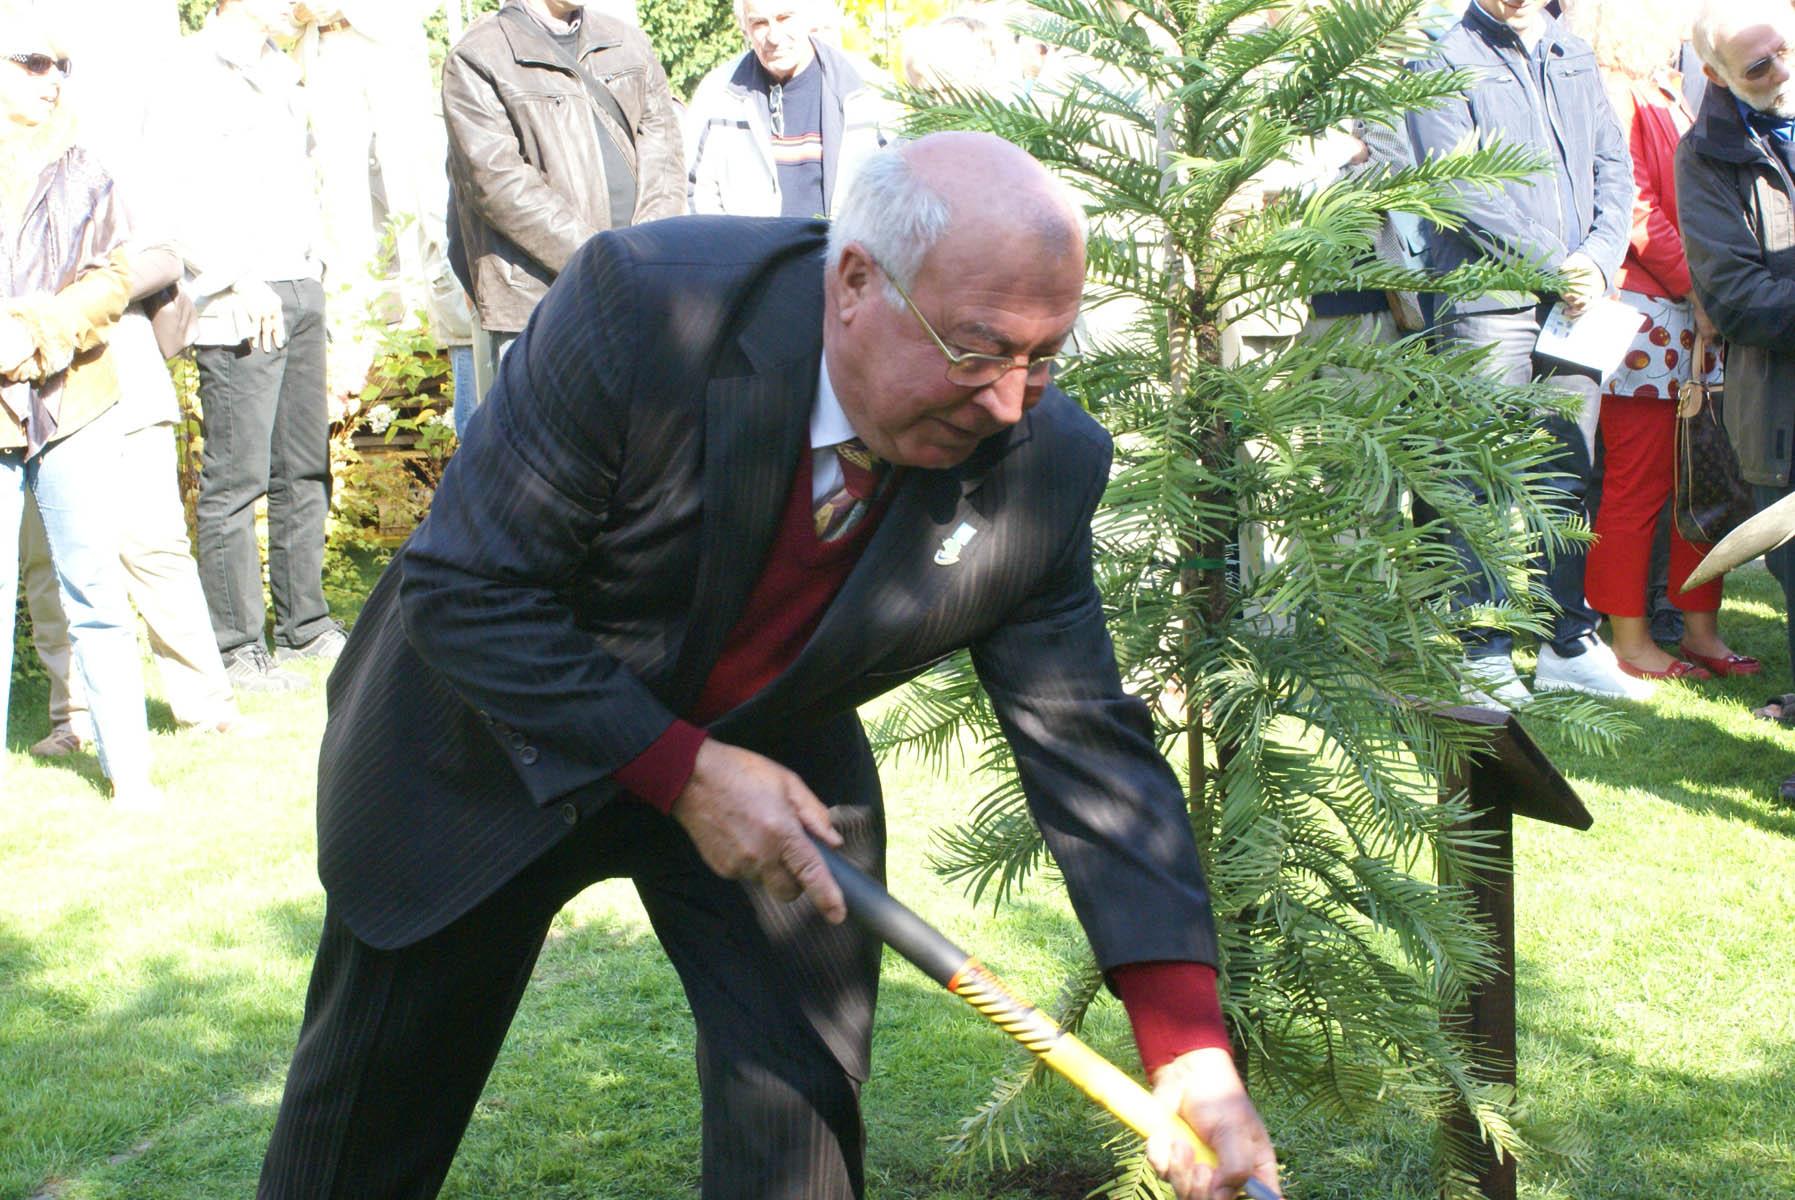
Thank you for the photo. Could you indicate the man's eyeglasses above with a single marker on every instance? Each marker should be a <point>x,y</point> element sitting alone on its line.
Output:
<point>968,369</point>
<point>41,64</point>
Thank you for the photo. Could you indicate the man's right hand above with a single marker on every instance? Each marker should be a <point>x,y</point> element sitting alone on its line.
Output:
<point>261,305</point>
<point>1583,283</point>
<point>752,821</point>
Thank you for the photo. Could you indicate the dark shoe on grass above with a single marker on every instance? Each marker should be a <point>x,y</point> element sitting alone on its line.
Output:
<point>325,647</point>
<point>1780,709</point>
<point>251,670</point>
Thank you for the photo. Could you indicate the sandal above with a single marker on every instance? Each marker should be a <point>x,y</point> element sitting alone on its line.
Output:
<point>1780,709</point>
<point>1732,664</point>
<point>1676,670</point>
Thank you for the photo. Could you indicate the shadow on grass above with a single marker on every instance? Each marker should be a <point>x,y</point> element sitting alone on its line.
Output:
<point>594,1095</point>
<point>1733,775</point>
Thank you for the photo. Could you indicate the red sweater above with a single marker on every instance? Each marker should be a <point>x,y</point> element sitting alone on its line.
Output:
<point>1655,265</point>
<point>1171,1005</point>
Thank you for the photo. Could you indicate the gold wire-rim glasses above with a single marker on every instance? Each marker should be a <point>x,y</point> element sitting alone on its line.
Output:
<point>968,368</point>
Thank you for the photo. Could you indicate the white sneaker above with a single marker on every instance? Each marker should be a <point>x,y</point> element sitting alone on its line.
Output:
<point>1595,672</point>
<point>1491,682</point>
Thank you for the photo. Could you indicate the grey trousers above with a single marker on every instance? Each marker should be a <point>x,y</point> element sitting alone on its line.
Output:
<point>267,434</point>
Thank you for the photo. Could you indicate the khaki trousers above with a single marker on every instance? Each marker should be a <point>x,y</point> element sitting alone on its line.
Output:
<point>163,582</point>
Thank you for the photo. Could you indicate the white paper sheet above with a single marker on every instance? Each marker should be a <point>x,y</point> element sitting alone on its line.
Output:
<point>1597,340</point>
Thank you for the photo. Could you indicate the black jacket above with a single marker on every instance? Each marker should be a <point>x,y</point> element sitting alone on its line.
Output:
<point>1736,204</point>
<point>595,539</point>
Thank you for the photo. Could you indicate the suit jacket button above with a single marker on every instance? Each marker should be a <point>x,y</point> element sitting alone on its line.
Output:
<point>570,814</point>
<point>514,739</point>
<point>527,756</point>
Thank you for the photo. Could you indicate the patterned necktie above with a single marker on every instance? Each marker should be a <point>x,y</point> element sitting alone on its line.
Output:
<point>861,474</point>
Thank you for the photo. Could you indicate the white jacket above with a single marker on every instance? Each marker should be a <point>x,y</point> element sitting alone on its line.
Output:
<point>729,136</point>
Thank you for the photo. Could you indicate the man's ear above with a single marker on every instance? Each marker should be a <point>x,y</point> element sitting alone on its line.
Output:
<point>856,281</point>
<point>1714,79</point>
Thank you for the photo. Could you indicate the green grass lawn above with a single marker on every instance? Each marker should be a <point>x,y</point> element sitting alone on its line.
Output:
<point>152,970</point>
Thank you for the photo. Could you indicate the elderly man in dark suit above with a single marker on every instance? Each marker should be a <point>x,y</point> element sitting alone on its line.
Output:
<point>732,483</point>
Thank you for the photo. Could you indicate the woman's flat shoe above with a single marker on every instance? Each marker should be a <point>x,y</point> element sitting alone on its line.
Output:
<point>1732,664</point>
<point>1676,670</point>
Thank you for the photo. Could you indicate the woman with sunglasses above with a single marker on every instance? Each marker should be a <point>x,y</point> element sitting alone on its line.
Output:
<point>66,280</point>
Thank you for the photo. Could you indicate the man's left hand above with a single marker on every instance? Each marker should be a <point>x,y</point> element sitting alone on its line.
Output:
<point>1203,1088</point>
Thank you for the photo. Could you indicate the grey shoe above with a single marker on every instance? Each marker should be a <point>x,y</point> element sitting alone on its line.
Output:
<point>251,670</point>
<point>326,646</point>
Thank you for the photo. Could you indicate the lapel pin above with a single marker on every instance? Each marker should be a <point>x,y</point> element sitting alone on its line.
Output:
<point>949,554</point>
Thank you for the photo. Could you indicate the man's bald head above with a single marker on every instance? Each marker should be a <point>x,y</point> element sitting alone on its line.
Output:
<point>1745,47</point>
<point>956,267</point>
<point>964,193</point>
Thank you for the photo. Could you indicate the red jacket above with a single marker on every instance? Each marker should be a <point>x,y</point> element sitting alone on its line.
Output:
<point>1655,265</point>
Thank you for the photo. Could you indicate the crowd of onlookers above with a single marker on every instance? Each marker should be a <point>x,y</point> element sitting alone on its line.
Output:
<point>1669,126</point>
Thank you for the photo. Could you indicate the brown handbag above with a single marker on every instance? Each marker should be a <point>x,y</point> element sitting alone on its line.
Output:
<point>1711,498</point>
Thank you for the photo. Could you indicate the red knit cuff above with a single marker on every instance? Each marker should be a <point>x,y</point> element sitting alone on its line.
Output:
<point>1173,1007</point>
<point>658,774</point>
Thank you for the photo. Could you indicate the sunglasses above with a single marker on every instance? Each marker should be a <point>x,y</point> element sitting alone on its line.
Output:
<point>41,64</point>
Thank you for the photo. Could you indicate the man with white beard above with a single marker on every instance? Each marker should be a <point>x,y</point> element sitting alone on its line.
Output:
<point>1736,196</point>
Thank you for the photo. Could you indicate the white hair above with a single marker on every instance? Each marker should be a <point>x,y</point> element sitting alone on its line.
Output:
<point>1719,18</point>
<point>809,8</point>
<point>894,216</point>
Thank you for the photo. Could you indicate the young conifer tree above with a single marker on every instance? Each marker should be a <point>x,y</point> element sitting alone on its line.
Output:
<point>1303,699</point>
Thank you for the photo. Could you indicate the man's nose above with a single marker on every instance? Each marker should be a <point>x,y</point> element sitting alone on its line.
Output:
<point>1008,398</point>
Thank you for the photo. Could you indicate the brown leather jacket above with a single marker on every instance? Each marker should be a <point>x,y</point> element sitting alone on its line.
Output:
<point>526,170</point>
<point>66,276</point>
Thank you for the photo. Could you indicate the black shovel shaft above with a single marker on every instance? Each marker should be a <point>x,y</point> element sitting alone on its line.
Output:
<point>898,927</point>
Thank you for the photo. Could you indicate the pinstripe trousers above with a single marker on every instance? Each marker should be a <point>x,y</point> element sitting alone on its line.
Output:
<point>397,1044</point>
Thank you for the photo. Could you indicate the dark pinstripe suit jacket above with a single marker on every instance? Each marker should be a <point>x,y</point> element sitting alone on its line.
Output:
<point>594,540</point>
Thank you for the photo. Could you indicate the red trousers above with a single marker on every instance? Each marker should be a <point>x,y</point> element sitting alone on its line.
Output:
<point>1638,453</point>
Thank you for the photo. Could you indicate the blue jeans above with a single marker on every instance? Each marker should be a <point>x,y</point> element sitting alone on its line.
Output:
<point>467,399</point>
<point>482,367</point>
<point>73,481</point>
<point>1512,361</point>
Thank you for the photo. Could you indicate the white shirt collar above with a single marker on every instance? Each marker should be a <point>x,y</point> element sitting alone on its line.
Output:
<point>829,425</point>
